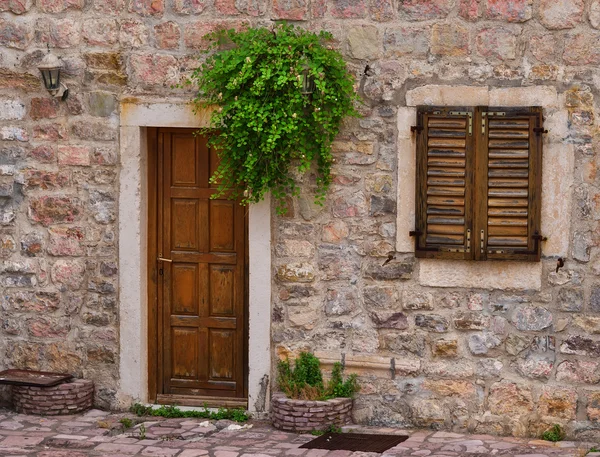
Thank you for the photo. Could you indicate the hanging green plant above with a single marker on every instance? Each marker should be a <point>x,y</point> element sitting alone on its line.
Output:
<point>281,96</point>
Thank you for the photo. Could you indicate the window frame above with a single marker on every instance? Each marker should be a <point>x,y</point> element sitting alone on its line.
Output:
<point>479,120</point>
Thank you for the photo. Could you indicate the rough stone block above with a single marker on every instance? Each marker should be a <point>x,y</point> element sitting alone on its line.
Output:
<point>16,6</point>
<point>154,8</point>
<point>565,14</point>
<point>450,40</point>
<point>44,108</point>
<point>423,10</point>
<point>100,32</point>
<point>167,35</point>
<point>133,34</point>
<point>578,372</point>
<point>58,33</point>
<point>295,10</point>
<point>154,70</point>
<point>507,398</point>
<point>364,42</point>
<point>582,49</point>
<point>48,210</point>
<point>189,6</point>
<point>15,34</point>
<point>509,10</point>
<point>497,43</point>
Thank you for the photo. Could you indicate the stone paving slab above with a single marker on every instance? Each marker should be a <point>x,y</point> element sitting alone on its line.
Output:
<point>98,433</point>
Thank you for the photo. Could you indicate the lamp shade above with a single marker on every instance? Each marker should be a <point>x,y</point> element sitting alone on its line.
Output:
<point>308,82</point>
<point>50,68</point>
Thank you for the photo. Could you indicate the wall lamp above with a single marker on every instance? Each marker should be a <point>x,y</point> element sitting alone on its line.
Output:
<point>50,68</point>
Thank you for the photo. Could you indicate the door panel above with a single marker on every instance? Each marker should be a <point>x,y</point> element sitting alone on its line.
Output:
<point>201,296</point>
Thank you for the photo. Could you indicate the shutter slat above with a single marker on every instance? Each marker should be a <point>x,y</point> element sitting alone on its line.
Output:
<point>437,190</point>
<point>509,123</point>
<point>449,162</point>
<point>446,143</point>
<point>522,212</point>
<point>447,123</point>
<point>449,172</point>
<point>507,143</point>
<point>445,229</point>
<point>441,239</point>
<point>446,133</point>
<point>509,173</point>
<point>507,241</point>
<point>510,183</point>
<point>522,202</point>
<point>452,182</point>
<point>508,193</point>
<point>508,154</point>
<point>454,210</point>
<point>509,163</point>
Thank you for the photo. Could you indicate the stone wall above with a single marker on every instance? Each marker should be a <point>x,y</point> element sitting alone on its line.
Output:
<point>486,355</point>
<point>492,347</point>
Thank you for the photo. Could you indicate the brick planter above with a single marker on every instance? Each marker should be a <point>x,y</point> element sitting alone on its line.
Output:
<point>305,416</point>
<point>67,398</point>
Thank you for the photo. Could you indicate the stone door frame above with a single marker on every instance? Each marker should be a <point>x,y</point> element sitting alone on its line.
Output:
<point>136,115</point>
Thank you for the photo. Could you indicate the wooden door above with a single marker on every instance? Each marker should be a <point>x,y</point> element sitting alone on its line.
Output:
<point>201,281</point>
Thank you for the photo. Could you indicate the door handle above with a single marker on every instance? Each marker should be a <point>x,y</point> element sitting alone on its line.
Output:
<point>160,259</point>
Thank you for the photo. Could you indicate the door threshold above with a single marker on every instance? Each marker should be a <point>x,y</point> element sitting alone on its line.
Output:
<point>196,401</point>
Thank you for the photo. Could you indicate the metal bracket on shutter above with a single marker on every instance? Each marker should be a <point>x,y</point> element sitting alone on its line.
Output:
<point>415,233</point>
<point>468,240</point>
<point>482,242</point>
<point>464,113</point>
<point>489,114</point>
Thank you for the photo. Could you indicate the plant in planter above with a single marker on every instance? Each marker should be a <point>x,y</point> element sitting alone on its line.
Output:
<point>281,96</point>
<point>310,403</point>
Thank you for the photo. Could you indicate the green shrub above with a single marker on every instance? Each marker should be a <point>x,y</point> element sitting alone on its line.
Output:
<point>305,381</point>
<point>266,131</point>
<point>554,434</point>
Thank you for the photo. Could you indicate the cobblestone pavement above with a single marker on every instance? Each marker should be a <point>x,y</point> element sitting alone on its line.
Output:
<point>99,433</point>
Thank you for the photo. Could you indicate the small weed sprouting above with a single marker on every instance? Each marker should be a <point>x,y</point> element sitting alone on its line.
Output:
<point>142,430</point>
<point>554,434</point>
<point>594,449</point>
<point>331,429</point>
<point>126,423</point>
<point>170,411</point>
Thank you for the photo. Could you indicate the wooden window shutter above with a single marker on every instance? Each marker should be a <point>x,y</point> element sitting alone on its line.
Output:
<point>508,175</point>
<point>445,165</point>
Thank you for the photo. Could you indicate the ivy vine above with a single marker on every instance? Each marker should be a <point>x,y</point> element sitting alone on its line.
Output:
<point>264,127</point>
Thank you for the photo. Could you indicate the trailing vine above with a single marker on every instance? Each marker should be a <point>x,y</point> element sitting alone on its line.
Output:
<point>264,127</point>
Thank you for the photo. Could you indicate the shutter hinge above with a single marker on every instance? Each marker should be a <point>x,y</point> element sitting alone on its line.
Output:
<point>415,233</point>
<point>539,130</point>
<point>419,127</point>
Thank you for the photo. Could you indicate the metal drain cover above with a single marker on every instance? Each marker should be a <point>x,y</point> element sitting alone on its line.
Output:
<point>355,442</point>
